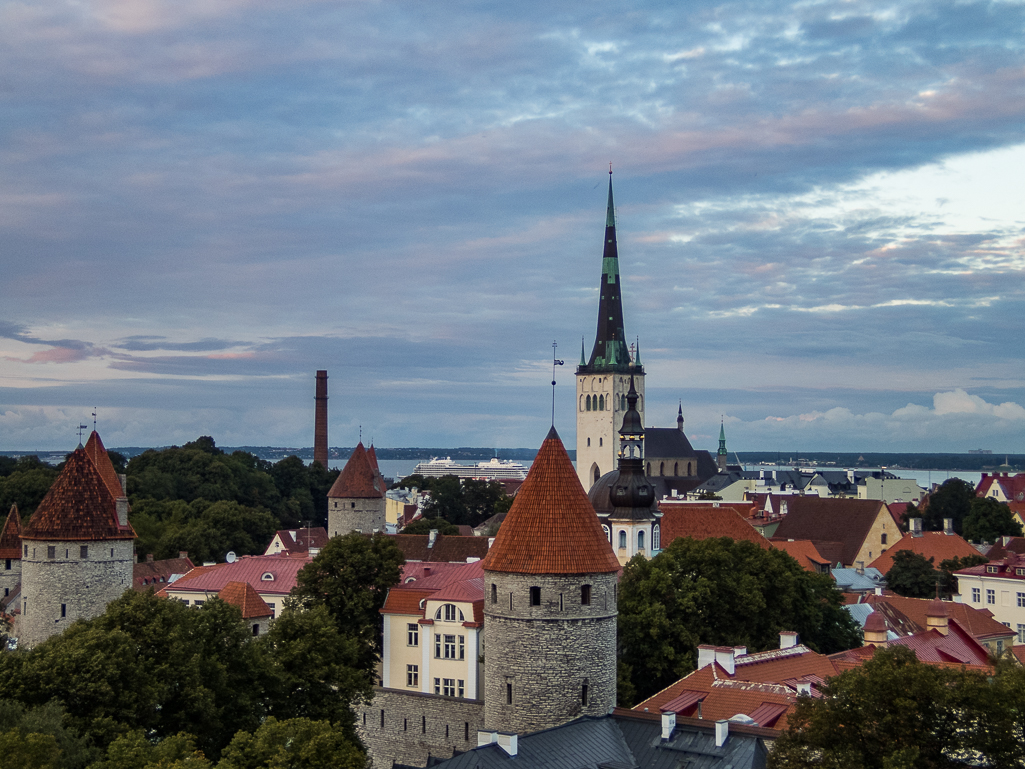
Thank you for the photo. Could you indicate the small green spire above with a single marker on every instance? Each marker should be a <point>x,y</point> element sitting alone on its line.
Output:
<point>722,440</point>
<point>637,355</point>
<point>583,360</point>
<point>610,216</point>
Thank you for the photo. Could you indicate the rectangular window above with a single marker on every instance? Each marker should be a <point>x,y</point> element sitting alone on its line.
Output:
<point>449,688</point>
<point>51,551</point>
<point>437,646</point>
<point>585,595</point>
<point>437,686</point>
<point>1000,646</point>
<point>1021,600</point>
<point>256,630</point>
<point>508,692</point>
<point>991,596</point>
<point>450,612</point>
<point>199,603</point>
<point>535,596</point>
<point>462,647</point>
<point>494,593</point>
<point>412,675</point>
<point>412,634</point>
<point>461,689</point>
<point>882,538</point>
<point>450,647</point>
<point>991,569</point>
<point>64,610</point>
<point>1021,634</point>
<point>976,595</point>
<point>83,551</point>
<point>26,551</point>
<point>7,564</point>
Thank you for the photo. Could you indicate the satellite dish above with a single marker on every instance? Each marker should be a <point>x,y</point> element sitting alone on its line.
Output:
<point>230,557</point>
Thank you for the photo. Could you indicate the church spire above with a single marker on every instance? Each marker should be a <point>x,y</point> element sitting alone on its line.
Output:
<point>721,454</point>
<point>610,352</point>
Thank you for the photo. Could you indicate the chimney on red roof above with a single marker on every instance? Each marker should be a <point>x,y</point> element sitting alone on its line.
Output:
<point>936,617</point>
<point>149,557</point>
<point>183,553</point>
<point>875,630</point>
<point>320,428</point>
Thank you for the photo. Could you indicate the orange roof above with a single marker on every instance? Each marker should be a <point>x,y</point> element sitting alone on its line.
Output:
<point>358,480</point>
<point>551,527</point>
<point>403,600</point>
<point>932,544</point>
<point>682,519</point>
<point>98,454</point>
<point>79,506</point>
<point>10,536</point>
<point>242,595</point>
<point>978,622</point>
<point>777,665</point>
<point>804,552</point>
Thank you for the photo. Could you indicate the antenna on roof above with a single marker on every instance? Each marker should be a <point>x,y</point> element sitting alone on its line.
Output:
<point>556,362</point>
<point>80,429</point>
<point>94,418</point>
<point>361,433</point>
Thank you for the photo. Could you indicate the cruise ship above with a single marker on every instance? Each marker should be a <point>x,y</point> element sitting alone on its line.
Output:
<point>493,469</point>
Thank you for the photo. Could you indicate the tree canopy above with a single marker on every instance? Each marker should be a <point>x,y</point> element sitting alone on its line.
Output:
<point>912,574</point>
<point>467,502</point>
<point>951,500</point>
<point>722,592</point>
<point>426,525</point>
<point>898,713</point>
<point>988,520</point>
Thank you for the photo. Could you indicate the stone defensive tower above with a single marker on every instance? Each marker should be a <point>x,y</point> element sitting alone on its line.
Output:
<point>77,550</point>
<point>604,378</point>
<point>356,500</point>
<point>320,428</point>
<point>550,589</point>
<point>10,552</point>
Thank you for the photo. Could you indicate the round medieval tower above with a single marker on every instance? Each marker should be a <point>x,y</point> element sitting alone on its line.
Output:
<point>10,555</point>
<point>550,584</point>
<point>78,548</point>
<point>356,501</point>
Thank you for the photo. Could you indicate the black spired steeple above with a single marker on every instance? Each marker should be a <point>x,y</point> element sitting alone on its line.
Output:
<point>610,352</point>
<point>632,495</point>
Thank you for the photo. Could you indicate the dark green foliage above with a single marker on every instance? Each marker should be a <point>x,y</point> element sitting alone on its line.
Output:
<point>135,751</point>
<point>298,743</point>
<point>351,577</point>
<point>722,592</point>
<point>952,499</point>
<point>897,712</point>
<point>425,525</point>
<point>948,582</point>
<point>462,503</point>
<point>912,575</point>
<point>40,735</point>
<point>988,520</point>
<point>25,485</point>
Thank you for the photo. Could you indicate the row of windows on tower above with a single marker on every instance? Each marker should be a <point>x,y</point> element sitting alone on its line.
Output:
<point>656,537</point>
<point>51,552</point>
<point>535,596</point>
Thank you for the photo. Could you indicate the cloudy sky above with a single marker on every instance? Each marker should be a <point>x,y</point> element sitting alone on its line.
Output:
<point>821,218</point>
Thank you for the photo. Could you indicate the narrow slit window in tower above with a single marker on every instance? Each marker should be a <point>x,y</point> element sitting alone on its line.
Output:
<point>585,595</point>
<point>535,596</point>
<point>583,693</point>
<point>508,693</point>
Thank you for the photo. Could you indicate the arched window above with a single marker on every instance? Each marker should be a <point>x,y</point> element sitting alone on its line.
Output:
<point>588,402</point>
<point>649,468</point>
<point>601,441</point>
<point>623,406</point>
<point>588,441</point>
<point>661,468</point>
<point>581,402</point>
<point>601,403</point>
<point>450,610</point>
<point>640,539</point>
<point>689,470</point>
<point>676,468</point>
<point>597,474</point>
<point>608,532</point>
<point>622,540</point>
<point>656,537</point>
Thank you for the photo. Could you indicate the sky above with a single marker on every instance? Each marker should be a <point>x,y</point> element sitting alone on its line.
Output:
<point>820,219</point>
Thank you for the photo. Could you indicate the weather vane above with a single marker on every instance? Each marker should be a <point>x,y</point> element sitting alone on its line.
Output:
<point>80,429</point>
<point>94,418</point>
<point>555,362</point>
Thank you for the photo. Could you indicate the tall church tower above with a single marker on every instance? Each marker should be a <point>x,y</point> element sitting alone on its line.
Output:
<point>722,456</point>
<point>550,583</point>
<point>604,379</point>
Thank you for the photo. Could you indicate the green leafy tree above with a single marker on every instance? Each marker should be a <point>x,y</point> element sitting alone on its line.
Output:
<point>135,751</point>
<point>29,751</point>
<point>26,485</point>
<point>446,501</point>
<point>898,712</point>
<point>297,743</point>
<point>351,577</point>
<point>948,580</point>
<point>988,520</point>
<point>425,525</point>
<point>722,592</point>
<point>481,499</point>
<point>40,729</point>
<point>912,575</point>
<point>953,500</point>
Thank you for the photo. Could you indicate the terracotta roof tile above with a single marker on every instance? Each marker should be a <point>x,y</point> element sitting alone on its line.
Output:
<point>157,573</point>
<point>934,544</point>
<point>281,569</point>
<point>10,536</point>
<point>358,480</point>
<point>300,540</point>
<point>803,551</point>
<point>551,527</point>
<point>682,519</point>
<point>978,622</point>
<point>79,506</point>
<point>403,600</point>
<point>98,454</point>
<point>242,595</point>
<point>447,548</point>
<point>831,520</point>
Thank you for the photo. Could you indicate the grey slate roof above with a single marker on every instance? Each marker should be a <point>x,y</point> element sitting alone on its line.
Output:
<point>666,442</point>
<point>624,740</point>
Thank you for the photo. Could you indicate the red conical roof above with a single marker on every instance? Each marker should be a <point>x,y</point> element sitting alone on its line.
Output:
<point>551,527</point>
<point>372,456</point>
<point>98,454</point>
<point>79,506</point>
<point>244,596</point>
<point>10,536</point>
<point>358,479</point>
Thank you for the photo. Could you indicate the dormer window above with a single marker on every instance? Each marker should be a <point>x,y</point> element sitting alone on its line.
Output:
<point>450,612</point>
<point>991,569</point>
<point>267,576</point>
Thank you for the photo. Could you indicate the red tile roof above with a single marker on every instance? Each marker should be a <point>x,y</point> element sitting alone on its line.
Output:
<point>98,454</point>
<point>803,551</point>
<point>831,520</point>
<point>300,540</point>
<point>551,527</point>
<point>242,595</point>
<point>449,548</point>
<point>282,568</point>
<point>405,600</point>
<point>79,506</point>
<point>957,647</point>
<point>932,544</point>
<point>683,519</point>
<point>158,573</point>
<point>1013,486</point>
<point>10,536</point>
<point>358,479</point>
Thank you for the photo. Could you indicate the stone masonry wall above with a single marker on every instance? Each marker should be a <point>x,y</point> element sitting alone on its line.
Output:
<point>9,577</point>
<point>348,515</point>
<point>83,586</point>
<point>548,652</point>
<point>417,725</point>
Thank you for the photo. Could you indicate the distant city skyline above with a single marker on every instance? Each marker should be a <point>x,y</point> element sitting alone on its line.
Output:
<point>819,217</point>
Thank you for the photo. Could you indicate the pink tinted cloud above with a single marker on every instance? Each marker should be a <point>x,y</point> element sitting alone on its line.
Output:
<point>56,355</point>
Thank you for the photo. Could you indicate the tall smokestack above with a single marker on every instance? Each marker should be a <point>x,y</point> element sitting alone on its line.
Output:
<point>320,431</point>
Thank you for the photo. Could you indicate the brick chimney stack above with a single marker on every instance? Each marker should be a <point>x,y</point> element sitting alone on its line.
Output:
<point>320,430</point>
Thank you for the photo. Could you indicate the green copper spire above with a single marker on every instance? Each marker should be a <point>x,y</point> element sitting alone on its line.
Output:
<point>583,360</point>
<point>722,440</point>
<point>610,352</point>
<point>637,354</point>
